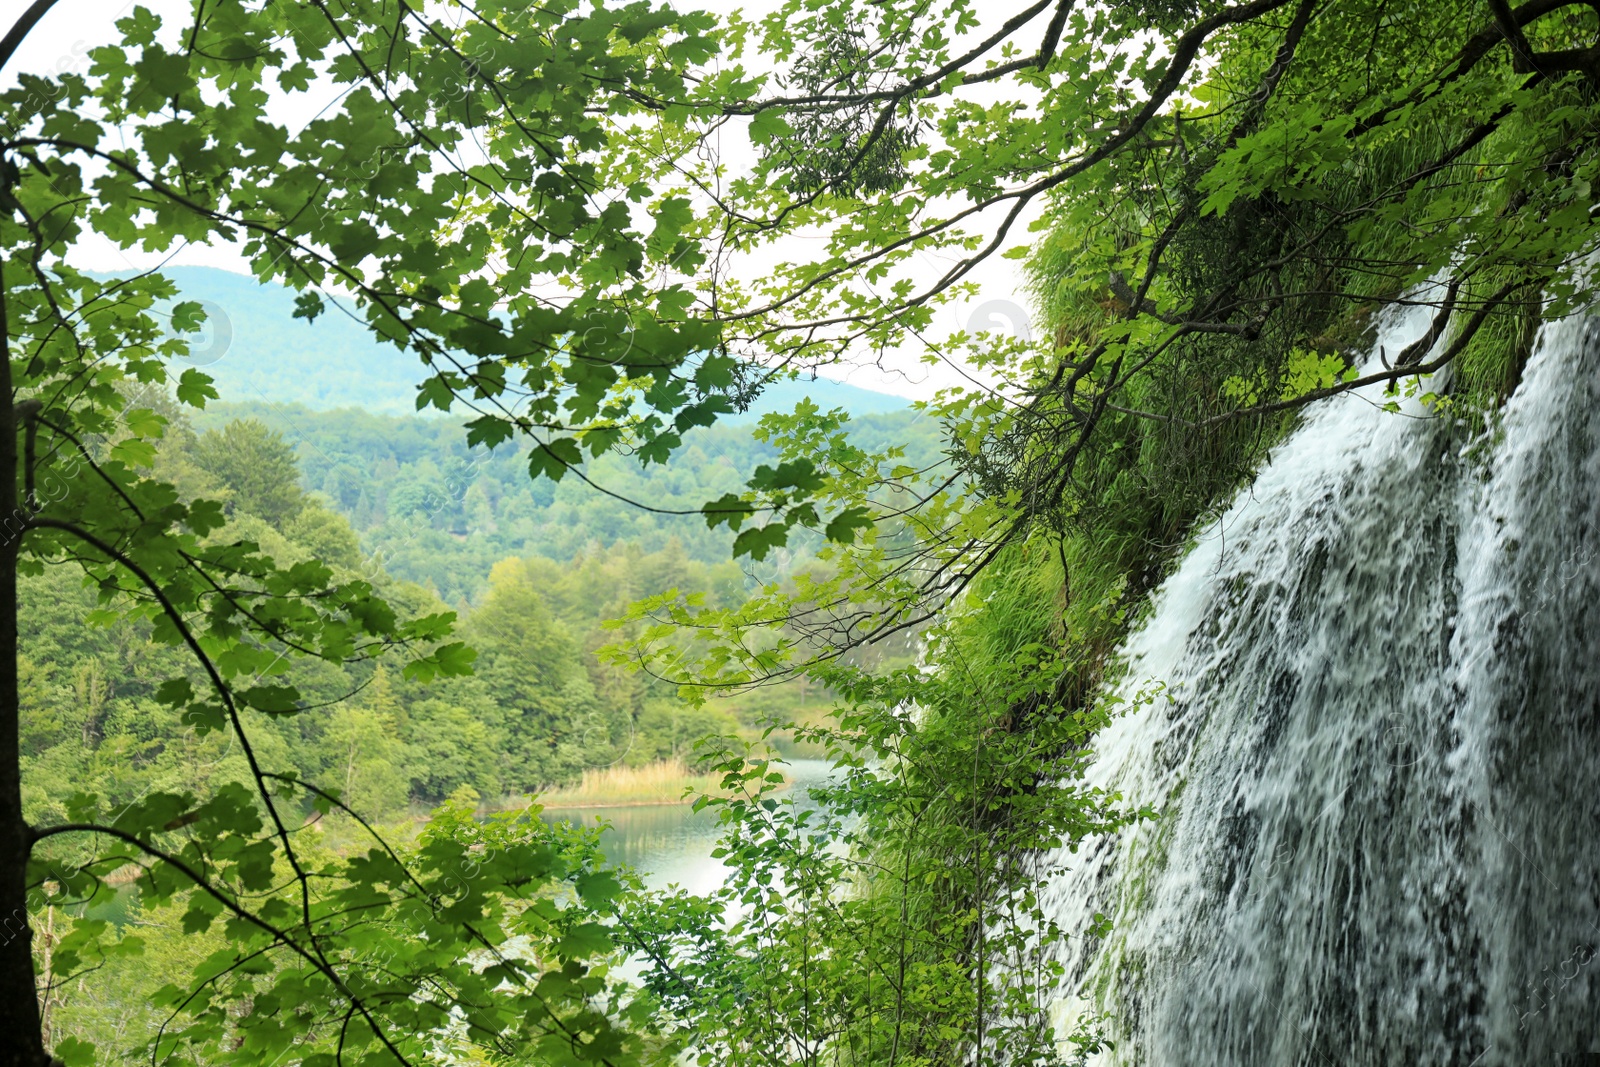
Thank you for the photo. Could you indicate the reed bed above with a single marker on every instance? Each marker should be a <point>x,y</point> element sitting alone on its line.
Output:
<point>666,782</point>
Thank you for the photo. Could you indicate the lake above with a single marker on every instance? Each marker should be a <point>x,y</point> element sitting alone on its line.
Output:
<point>670,844</point>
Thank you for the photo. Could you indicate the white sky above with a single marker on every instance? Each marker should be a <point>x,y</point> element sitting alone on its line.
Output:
<point>61,40</point>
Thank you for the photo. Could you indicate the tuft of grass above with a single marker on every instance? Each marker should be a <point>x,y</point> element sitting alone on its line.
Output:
<point>669,781</point>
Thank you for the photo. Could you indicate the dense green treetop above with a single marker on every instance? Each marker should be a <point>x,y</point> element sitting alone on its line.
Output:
<point>257,465</point>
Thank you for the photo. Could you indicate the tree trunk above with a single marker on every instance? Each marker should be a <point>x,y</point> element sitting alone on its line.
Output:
<point>21,1043</point>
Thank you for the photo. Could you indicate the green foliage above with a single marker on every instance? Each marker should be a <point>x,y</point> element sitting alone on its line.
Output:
<point>131,753</point>
<point>436,512</point>
<point>171,138</point>
<point>478,941</point>
<point>522,197</point>
<point>843,150</point>
<point>1319,171</point>
<point>258,468</point>
<point>103,703</point>
<point>219,622</point>
<point>893,918</point>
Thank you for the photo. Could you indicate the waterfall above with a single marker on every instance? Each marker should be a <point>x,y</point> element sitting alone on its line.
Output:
<point>1377,755</point>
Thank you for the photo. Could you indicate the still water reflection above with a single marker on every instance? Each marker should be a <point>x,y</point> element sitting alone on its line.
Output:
<point>670,844</point>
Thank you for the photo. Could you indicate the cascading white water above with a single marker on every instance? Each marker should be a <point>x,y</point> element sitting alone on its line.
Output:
<point>1378,756</point>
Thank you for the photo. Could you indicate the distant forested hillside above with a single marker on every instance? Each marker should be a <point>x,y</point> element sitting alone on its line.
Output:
<point>258,352</point>
<point>438,513</point>
<point>539,709</point>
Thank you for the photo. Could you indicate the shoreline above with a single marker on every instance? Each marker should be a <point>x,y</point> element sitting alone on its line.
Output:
<point>590,805</point>
<point>598,805</point>
<point>664,783</point>
<point>668,783</point>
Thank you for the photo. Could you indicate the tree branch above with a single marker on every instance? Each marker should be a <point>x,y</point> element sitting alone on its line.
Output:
<point>321,965</point>
<point>21,28</point>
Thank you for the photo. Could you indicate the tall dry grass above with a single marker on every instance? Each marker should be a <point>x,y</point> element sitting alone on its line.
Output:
<point>618,786</point>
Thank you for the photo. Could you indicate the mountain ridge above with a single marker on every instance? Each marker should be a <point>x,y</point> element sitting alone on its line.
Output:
<point>258,352</point>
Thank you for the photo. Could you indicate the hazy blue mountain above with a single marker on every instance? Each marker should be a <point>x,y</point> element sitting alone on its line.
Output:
<point>826,394</point>
<point>258,352</point>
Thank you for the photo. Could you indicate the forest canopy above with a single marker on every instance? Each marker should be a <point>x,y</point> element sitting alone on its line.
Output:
<point>437,512</point>
<point>602,229</point>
